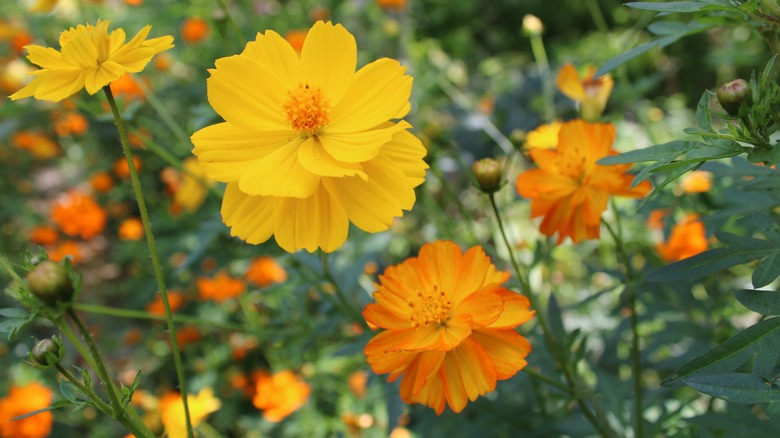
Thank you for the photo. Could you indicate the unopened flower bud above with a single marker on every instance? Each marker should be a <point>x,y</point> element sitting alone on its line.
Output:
<point>732,95</point>
<point>48,352</point>
<point>489,175</point>
<point>49,282</point>
<point>532,25</point>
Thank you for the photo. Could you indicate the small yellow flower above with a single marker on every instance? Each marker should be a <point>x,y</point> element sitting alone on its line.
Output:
<point>200,406</point>
<point>90,58</point>
<point>544,137</point>
<point>591,94</point>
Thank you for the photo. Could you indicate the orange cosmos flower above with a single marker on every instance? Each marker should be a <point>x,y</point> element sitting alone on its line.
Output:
<point>131,229</point>
<point>44,235</point>
<point>544,137</point>
<point>280,394</point>
<point>175,300</point>
<point>265,271</point>
<point>220,288</point>
<point>194,30</point>
<point>698,181</point>
<point>687,239</point>
<point>591,94</point>
<point>569,189</point>
<point>78,214</point>
<point>23,400</point>
<point>39,144</point>
<point>449,326</point>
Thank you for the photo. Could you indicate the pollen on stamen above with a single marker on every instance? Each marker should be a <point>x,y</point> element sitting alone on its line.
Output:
<point>307,109</point>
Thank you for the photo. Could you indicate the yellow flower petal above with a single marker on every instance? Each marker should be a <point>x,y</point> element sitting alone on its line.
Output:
<point>379,92</point>
<point>276,53</point>
<point>315,222</point>
<point>316,160</point>
<point>227,152</point>
<point>81,51</point>
<point>54,85</point>
<point>357,147</point>
<point>249,217</point>
<point>46,57</point>
<point>570,84</point>
<point>406,152</point>
<point>101,76</point>
<point>328,59</point>
<point>256,107</point>
<point>280,173</point>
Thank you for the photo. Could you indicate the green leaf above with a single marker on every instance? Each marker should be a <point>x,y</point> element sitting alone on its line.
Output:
<point>58,404</point>
<point>667,6</point>
<point>17,318</point>
<point>636,51</point>
<point>703,115</point>
<point>765,302</point>
<point>736,387</point>
<point>706,263</point>
<point>658,152</point>
<point>14,312</point>
<point>767,270</point>
<point>669,179</point>
<point>127,391</point>
<point>730,354</point>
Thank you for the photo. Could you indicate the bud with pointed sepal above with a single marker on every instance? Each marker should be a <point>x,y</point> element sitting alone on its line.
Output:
<point>732,95</point>
<point>50,283</point>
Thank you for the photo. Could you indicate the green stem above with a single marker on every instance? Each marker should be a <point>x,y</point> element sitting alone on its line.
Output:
<point>548,380</point>
<point>233,24</point>
<point>142,314</point>
<point>600,423</point>
<point>165,116</point>
<point>100,367</point>
<point>176,162</point>
<point>139,196</point>
<point>10,269</point>
<point>597,15</point>
<point>346,306</point>
<point>543,67</point>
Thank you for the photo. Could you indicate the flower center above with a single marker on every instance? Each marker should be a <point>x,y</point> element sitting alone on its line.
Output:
<point>430,308</point>
<point>307,109</point>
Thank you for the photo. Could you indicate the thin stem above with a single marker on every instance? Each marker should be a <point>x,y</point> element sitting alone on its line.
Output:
<point>346,306</point>
<point>10,269</point>
<point>548,380</point>
<point>139,196</point>
<point>74,339</point>
<point>543,67</point>
<point>100,367</point>
<point>232,22</point>
<point>165,116</point>
<point>597,15</point>
<point>176,162</point>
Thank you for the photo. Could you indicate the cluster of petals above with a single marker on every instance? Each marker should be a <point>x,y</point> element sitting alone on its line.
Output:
<point>77,214</point>
<point>22,400</point>
<point>687,238</point>
<point>200,405</point>
<point>220,288</point>
<point>448,326</point>
<point>569,189</point>
<point>590,93</point>
<point>308,144</point>
<point>89,58</point>
<point>280,394</point>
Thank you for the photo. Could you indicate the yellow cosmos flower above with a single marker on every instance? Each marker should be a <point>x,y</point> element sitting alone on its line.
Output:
<point>449,326</point>
<point>591,94</point>
<point>309,145</point>
<point>200,406</point>
<point>90,58</point>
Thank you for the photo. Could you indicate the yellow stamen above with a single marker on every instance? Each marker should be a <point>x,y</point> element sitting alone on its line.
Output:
<point>430,308</point>
<point>307,109</point>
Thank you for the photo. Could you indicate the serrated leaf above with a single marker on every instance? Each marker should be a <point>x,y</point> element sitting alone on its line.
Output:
<point>127,391</point>
<point>706,263</point>
<point>731,353</point>
<point>767,270</point>
<point>667,6</point>
<point>736,387</point>
<point>765,302</point>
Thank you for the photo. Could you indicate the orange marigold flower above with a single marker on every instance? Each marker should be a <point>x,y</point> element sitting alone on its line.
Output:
<point>449,326</point>
<point>101,182</point>
<point>544,137</point>
<point>64,249</point>
<point>569,189</point>
<point>122,170</point>
<point>265,271</point>
<point>698,181</point>
<point>280,394</point>
<point>296,37</point>
<point>591,94</point>
<point>70,123</point>
<point>23,400</point>
<point>39,144</point>
<point>172,410</point>
<point>77,214</point>
<point>127,86</point>
<point>131,229</point>
<point>175,300</point>
<point>687,239</point>
<point>194,30</point>
<point>220,288</point>
<point>44,235</point>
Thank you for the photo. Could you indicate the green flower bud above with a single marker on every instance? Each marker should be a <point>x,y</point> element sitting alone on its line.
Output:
<point>733,94</point>
<point>489,175</point>
<point>49,282</point>
<point>48,352</point>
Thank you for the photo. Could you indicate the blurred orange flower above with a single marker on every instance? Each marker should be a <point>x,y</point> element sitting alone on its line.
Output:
<point>220,288</point>
<point>591,94</point>
<point>194,30</point>
<point>19,40</point>
<point>296,37</point>
<point>131,229</point>
<point>449,326</point>
<point>64,249</point>
<point>189,189</point>
<point>392,4</point>
<point>544,137</point>
<point>175,300</point>
<point>162,62</point>
<point>134,2</point>
<point>265,271</point>
<point>44,235</point>
<point>569,189</point>
<point>655,221</point>
<point>23,400</point>
<point>122,170</point>
<point>187,335</point>
<point>128,87</point>
<point>687,239</point>
<point>357,383</point>
<point>101,182</point>
<point>39,144</point>
<point>172,410</point>
<point>698,181</point>
<point>70,123</point>
<point>280,394</point>
<point>77,214</point>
